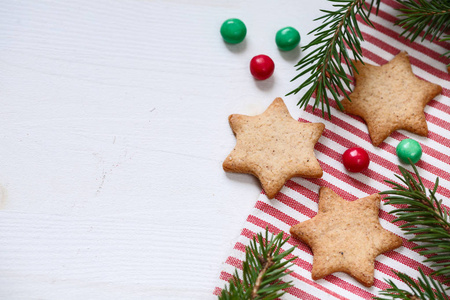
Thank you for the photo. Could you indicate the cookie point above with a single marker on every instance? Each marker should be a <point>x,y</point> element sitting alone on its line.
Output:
<point>368,283</point>
<point>270,195</point>
<point>278,99</point>
<point>318,174</point>
<point>323,189</point>
<point>257,147</point>
<point>232,118</point>
<point>291,231</point>
<point>321,126</point>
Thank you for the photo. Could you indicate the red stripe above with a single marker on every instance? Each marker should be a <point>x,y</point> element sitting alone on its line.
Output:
<point>381,61</point>
<point>378,177</point>
<point>299,262</point>
<point>290,202</point>
<point>440,138</point>
<point>442,157</point>
<point>364,187</point>
<point>407,261</point>
<point>440,106</point>
<point>391,254</point>
<point>431,135</point>
<point>292,290</point>
<point>233,260</point>
<point>310,282</point>
<point>438,121</point>
<point>416,62</point>
<point>298,206</point>
<point>394,51</point>
<point>330,278</point>
<point>418,47</point>
<point>306,192</point>
<point>272,211</point>
<point>217,290</point>
<point>298,292</point>
<point>345,177</point>
<point>365,136</point>
<point>294,204</point>
<point>237,263</point>
<point>343,284</point>
<point>378,159</point>
<point>384,162</point>
<point>392,19</point>
<point>225,276</point>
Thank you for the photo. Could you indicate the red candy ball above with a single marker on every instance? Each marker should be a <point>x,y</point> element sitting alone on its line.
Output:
<point>355,159</point>
<point>261,67</point>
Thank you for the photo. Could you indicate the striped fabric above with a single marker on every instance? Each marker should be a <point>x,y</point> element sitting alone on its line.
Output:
<point>298,199</point>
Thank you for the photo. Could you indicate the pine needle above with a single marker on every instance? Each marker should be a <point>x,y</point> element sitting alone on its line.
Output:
<point>424,217</point>
<point>337,41</point>
<point>262,270</point>
<point>430,17</point>
<point>325,63</point>
<point>424,288</point>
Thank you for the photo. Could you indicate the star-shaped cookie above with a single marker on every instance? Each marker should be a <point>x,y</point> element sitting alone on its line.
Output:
<point>390,97</point>
<point>274,147</point>
<point>346,236</point>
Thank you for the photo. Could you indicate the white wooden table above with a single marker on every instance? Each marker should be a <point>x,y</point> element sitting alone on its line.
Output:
<point>113,132</point>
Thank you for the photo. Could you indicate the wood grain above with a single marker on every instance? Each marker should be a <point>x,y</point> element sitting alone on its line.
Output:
<point>113,131</point>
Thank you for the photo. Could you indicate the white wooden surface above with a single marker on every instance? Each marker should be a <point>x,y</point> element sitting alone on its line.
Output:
<point>113,131</point>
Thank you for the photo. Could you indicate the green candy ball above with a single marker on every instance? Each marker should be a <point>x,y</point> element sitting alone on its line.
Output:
<point>287,38</point>
<point>233,31</point>
<point>409,149</point>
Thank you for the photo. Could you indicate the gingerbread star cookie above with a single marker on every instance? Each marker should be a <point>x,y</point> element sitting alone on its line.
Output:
<point>390,97</point>
<point>274,147</point>
<point>346,236</point>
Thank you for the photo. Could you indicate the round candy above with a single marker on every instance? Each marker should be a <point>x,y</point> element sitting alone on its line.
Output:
<point>409,149</point>
<point>355,159</point>
<point>261,67</point>
<point>233,31</point>
<point>287,38</point>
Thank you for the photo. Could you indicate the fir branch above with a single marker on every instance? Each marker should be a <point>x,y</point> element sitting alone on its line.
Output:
<point>262,270</point>
<point>424,216</point>
<point>425,288</point>
<point>445,39</point>
<point>327,76</point>
<point>337,40</point>
<point>432,17</point>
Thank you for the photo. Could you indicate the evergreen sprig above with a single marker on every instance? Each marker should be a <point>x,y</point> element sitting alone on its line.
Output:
<point>424,216</point>
<point>424,287</point>
<point>431,17</point>
<point>337,40</point>
<point>445,39</point>
<point>325,64</point>
<point>263,268</point>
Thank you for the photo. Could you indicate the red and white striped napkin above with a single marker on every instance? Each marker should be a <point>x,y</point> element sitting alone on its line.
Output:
<point>298,199</point>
